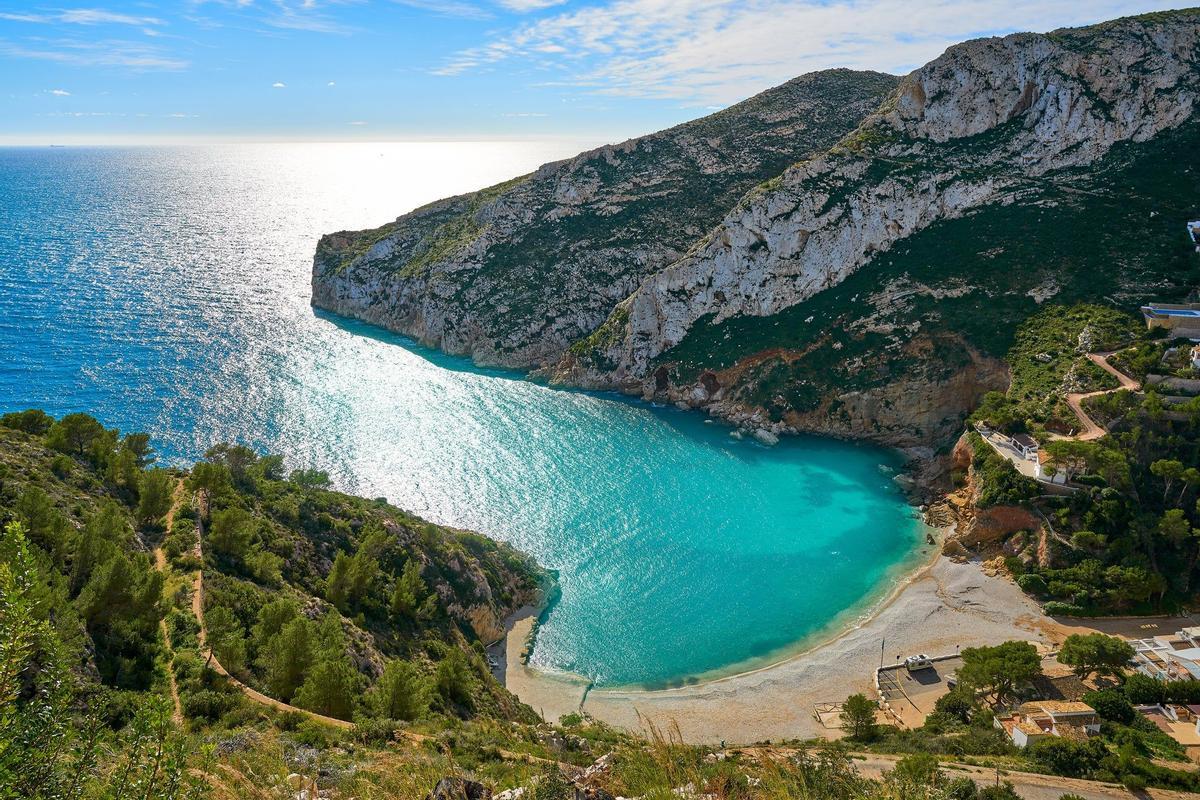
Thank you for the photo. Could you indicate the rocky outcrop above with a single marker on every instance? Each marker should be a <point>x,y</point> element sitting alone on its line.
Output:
<point>514,274</point>
<point>977,126</point>
<point>983,528</point>
<point>752,316</point>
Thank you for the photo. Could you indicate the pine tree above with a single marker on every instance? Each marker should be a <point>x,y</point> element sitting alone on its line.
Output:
<point>402,692</point>
<point>410,590</point>
<point>329,689</point>
<point>289,657</point>
<point>154,495</point>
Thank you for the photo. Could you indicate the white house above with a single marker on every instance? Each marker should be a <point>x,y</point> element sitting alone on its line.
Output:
<point>1187,660</point>
<point>1026,445</point>
<point>1048,472</point>
<point>1194,232</point>
<point>1042,718</point>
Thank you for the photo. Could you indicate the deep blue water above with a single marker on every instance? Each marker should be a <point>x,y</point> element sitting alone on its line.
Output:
<point>166,290</point>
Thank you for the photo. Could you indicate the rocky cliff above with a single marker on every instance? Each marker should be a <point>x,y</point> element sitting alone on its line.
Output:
<point>1023,123</point>
<point>514,274</point>
<point>870,288</point>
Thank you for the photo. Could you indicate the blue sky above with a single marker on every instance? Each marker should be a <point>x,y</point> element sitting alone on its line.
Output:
<point>328,70</point>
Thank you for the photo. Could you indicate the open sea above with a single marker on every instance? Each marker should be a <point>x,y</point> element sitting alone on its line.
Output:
<point>167,290</point>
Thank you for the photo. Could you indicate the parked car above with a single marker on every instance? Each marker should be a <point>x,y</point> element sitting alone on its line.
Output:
<point>918,662</point>
<point>952,680</point>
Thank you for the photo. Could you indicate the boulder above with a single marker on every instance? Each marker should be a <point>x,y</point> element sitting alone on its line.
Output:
<point>459,789</point>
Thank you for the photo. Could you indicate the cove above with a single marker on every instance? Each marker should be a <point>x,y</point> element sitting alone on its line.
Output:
<point>166,290</point>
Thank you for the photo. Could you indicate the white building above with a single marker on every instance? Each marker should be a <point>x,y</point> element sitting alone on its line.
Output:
<point>1048,472</point>
<point>1026,445</point>
<point>1042,718</point>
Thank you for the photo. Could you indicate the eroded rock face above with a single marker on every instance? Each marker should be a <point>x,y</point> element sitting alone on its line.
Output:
<point>609,253</point>
<point>973,127</point>
<point>514,274</point>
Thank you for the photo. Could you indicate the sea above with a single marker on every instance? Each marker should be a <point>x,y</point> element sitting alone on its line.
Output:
<point>166,290</point>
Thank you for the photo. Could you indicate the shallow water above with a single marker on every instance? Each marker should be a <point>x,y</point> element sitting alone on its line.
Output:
<point>166,290</point>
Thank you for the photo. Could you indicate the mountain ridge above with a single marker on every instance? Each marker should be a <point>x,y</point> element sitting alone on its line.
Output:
<point>1019,122</point>
<point>515,273</point>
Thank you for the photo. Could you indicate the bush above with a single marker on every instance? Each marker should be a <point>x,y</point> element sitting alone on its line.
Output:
<point>1032,583</point>
<point>1143,690</point>
<point>375,731</point>
<point>1057,608</point>
<point>313,734</point>
<point>289,720</point>
<point>207,705</point>
<point>1112,705</point>
<point>1070,758</point>
<point>1133,782</point>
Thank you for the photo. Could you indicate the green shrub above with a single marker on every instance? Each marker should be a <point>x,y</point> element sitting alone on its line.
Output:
<point>1032,583</point>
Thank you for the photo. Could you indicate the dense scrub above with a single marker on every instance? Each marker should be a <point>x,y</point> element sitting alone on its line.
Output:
<point>1124,541</point>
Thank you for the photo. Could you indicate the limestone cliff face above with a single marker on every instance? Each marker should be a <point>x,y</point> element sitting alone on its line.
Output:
<point>977,126</point>
<point>514,274</point>
<point>809,260</point>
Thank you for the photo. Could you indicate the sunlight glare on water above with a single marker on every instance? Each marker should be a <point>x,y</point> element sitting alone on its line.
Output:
<point>167,290</point>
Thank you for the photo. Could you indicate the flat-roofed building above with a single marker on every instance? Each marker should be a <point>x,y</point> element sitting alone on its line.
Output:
<point>1181,319</point>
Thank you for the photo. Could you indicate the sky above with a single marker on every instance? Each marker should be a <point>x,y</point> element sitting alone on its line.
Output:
<point>382,70</point>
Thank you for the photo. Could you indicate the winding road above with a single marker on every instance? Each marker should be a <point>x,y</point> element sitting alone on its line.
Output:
<point>1091,429</point>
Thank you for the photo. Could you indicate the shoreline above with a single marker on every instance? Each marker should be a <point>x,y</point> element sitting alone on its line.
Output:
<point>901,575</point>
<point>938,607</point>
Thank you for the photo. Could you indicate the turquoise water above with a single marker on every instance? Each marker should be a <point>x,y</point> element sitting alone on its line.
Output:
<point>166,290</point>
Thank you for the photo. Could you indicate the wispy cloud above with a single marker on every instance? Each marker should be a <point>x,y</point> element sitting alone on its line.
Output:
<point>524,6</point>
<point>60,92</point>
<point>84,16</point>
<point>718,51</point>
<point>98,16</point>
<point>278,85</point>
<point>99,53</point>
<point>449,8</point>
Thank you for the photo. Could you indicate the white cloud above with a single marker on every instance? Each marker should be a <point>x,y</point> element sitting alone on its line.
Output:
<point>85,16</point>
<point>526,114</point>
<point>448,8</point>
<point>278,85</point>
<point>523,6</point>
<point>331,83</point>
<point>98,16</point>
<point>96,53</point>
<point>713,52</point>
<point>356,122</point>
<point>60,92</point>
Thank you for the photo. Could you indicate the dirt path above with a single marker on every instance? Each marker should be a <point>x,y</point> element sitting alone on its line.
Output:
<point>160,564</point>
<point>1092,430</point>
<point>206,652</point>
<point>1030,785</point>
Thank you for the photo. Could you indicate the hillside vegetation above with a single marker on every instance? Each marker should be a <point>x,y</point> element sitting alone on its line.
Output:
<point>345,607</point>
<point>513,274</point>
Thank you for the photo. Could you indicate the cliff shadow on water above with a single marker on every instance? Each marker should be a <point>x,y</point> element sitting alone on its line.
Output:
<point>692,423</point>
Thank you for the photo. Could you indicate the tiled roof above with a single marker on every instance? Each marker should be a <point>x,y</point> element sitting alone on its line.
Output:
<point>1056,707</point>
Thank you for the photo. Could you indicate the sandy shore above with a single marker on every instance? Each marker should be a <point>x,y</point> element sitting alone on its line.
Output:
<point>943,606</point>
